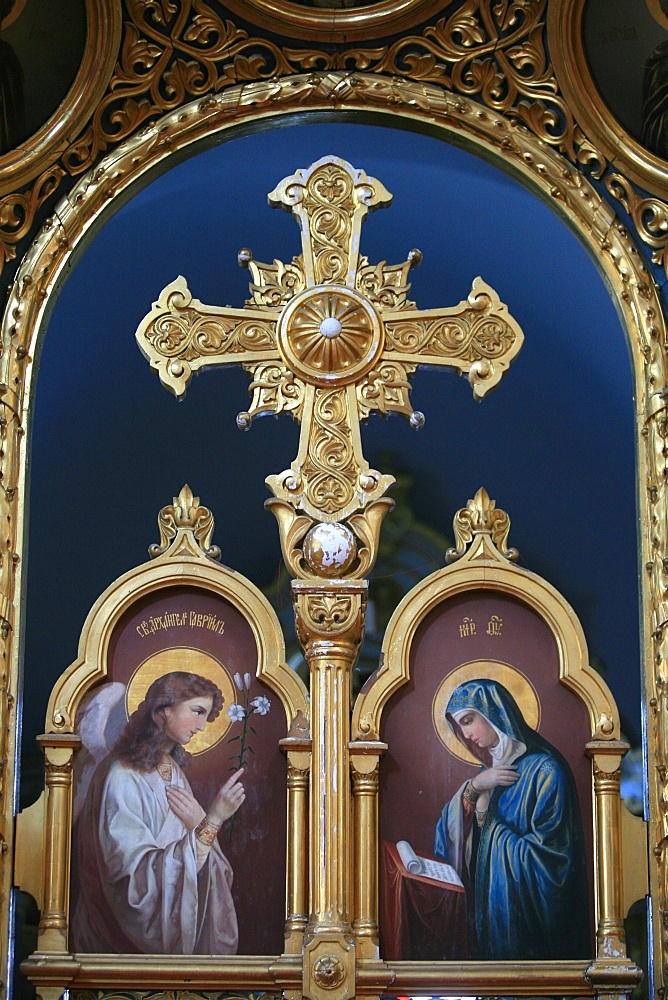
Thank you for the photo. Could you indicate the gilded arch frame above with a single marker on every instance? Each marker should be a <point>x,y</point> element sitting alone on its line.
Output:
<point>483,563</point>
<point>384,98</point>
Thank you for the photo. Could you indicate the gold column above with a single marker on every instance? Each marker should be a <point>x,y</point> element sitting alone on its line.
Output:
<point>297,886</point>
<point>59,752</point>
<point>329,618</point>
<point>365,760</point>
<point>612,973</point>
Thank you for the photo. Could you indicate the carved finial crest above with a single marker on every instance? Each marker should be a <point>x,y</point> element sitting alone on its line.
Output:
<point>481,519</point>
<point>185,516</point>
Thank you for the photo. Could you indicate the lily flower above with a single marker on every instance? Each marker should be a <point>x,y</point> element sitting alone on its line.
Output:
<point>261,704</point>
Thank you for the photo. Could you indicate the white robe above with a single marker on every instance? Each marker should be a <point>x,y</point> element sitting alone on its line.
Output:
<point>136,862</point>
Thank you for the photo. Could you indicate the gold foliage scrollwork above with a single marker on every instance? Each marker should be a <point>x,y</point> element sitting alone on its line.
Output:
<point>273,285</point>
<point>169,54</point>
<point>386,388</point>
<point>186,512</point>
<point>326,612</point>
<point>332,614</point>
<point>480,517</point>
<point>172,53</point>
<point>274,389</point>
<point>478,337</point>
<point>330,468</point>
<point>387,285</point>
<point>330,201</point>
<point>650,216</point>
<point>180,334</point>
<point>17,211</point>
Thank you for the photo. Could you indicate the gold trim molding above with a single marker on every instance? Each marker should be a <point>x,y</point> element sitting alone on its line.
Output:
<point>38,153</point>
<point>493,53</point>
<point>566,42</point>
<point>466,87</point>
<point>328,25</point>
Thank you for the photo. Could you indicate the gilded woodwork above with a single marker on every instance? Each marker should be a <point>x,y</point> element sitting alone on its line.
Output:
<point>329,620</point>
<point>542,170</point>
<point>330,339</point>
<point>477,52</point>
<point>606,760</point>
<point>495,53</point>
<point>483,560</point>
<point>365,766</point>
<point>297,748</point>
<point>58,765</point>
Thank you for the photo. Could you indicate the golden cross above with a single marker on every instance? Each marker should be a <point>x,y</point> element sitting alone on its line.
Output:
<point>329,337</point>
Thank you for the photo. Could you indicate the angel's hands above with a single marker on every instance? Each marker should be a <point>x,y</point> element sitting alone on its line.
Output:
<point>228,800</point>
<point>185,805</point>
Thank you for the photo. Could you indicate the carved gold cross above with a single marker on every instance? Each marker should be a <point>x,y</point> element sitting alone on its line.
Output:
<point>329,337</point>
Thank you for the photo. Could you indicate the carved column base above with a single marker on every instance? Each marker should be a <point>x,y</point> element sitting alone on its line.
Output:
<point>329,967</point>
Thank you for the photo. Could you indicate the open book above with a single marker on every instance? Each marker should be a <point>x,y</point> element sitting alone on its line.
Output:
<point>415,864</point>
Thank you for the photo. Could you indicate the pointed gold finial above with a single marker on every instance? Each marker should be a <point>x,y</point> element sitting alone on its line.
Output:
<point>185,523</point>
<point>482,521</point>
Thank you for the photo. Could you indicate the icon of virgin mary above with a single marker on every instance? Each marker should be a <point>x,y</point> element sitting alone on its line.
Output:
<point>514,834</point>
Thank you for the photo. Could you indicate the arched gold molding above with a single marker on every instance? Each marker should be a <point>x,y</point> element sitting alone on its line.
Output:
<point>566,44</point>
<point>103,33</point>
<point>483,567</point>
<point>484,562</point>
<point>383,99</point>
<point>182,565</point>
<point>184,559</point>
<point>330,25</point>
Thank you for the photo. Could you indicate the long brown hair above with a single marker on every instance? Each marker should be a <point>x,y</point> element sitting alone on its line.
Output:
<point>141,744</point>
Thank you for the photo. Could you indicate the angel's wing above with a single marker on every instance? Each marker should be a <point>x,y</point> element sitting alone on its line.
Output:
<point>100,721</point>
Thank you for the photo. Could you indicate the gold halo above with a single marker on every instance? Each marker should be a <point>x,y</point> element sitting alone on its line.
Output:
<point>512,679</point>
<point>193,661</point>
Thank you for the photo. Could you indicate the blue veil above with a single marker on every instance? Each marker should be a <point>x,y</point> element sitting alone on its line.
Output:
<point>525,864</point>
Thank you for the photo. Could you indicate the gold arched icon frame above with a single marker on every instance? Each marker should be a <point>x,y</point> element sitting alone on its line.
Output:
<point>566,40</point>
<point>183,562</point>
<point>42,149</point>
<point>324,24</point>
<point>461,578</point>
<point>482,562</point>
<point>385,100</point>
<point>512,679</point>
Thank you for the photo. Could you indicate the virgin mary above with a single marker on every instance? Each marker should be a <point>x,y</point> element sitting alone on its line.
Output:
<point>514,835</point>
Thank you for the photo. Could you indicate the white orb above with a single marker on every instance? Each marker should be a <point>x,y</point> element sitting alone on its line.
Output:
<point>329,548</point>
<point>330,327</point>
